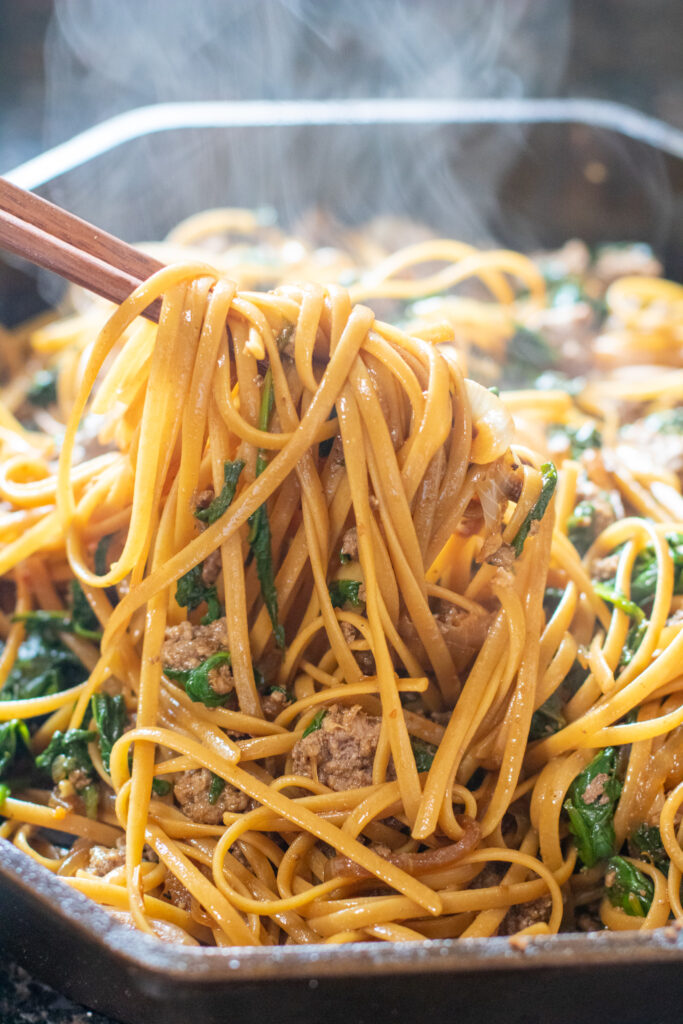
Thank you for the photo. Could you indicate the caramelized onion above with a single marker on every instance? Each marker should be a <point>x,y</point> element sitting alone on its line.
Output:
<point>415,864</point>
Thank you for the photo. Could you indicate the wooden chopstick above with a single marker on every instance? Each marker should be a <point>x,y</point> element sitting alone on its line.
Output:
<point>50,237</point>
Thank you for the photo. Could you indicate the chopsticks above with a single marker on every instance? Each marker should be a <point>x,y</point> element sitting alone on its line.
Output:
<point>50,237</point>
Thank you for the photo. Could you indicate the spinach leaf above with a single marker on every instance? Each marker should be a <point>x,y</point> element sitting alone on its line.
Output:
<point>216,788</point>
<point>4,793</point>
<point>538,510</point>
<point>423,753</point>
<point>580,439</point>
<point>527,355</point>
<point>85,622</point>
<point>620,601</point>
<point>667,421</point>
<point>43,666</point>
<point>101,561</point>
<point>634,638</point>
<point>219,505</point>
<point>12,734</point>
<point>628,888</point>
<point>49,624</point>
<point>191,592</point>
<point>588,520</point>
<point>43,389</point>
<point>197,683</point>
<point>67,755</point>
<point>343,592</point>
<point>259,538</point>
<point>548,719</point>
<point>592,799</point>
<point>109,715</point>
<point>644,576</point>
<point>161,787</point>
<point>646,843</point>
<point>315,723</point>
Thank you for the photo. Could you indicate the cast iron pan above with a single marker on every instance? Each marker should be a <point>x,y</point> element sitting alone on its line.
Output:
<point>64,939</point>
<point>61,937</point>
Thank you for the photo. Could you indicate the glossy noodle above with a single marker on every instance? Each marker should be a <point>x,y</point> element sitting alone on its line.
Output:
<point>310,637</point>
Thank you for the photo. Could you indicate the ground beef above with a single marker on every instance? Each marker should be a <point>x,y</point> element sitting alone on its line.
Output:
<point>103,859</point>
<point>605,568</point>
<point>572,260</point>
<point>191,791</point>
<point>524,915</point>
<point>272,704</point>
<point>187,646</point>
<point>614,261</point>
<point>569,329</point>
<point>212,565</point>
<point>654,446</point>
<point>341,753</point>
<point>594,793</point>
<point>350,543</point>
<point>607,504</point>
<point>175,891</point>
<point>211,568</point>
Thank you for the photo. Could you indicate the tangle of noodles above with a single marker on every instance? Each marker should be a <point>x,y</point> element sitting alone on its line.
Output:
<point>322,641</point>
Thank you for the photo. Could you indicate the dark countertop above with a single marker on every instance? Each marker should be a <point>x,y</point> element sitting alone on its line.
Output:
<point>25,1001</point>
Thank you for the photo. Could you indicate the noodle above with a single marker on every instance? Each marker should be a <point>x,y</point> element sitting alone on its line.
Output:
<point>334,643</point>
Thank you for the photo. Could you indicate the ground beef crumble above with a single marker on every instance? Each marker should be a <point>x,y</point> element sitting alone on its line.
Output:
<point>341,753</point>
<point>525,914</point>
<point>191,790</point>
<point>186,646</point>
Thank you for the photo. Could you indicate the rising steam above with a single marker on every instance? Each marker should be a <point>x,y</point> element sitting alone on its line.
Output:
<point>104,58</point>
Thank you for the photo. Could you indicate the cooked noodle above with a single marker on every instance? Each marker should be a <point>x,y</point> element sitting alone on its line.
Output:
<point>341,608</point>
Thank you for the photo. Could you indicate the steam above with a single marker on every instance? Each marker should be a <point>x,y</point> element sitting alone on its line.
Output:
<point>104,58</point>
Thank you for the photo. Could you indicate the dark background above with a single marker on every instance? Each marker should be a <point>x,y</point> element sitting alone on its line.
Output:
<point>626,50</point>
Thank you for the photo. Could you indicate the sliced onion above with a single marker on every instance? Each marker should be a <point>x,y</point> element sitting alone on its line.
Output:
<point>492,425</point>
<point>414,863</point>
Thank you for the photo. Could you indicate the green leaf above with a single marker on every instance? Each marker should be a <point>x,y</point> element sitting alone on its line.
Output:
<point>191,592</point>
<point>645,575</point>
<point>67,752</point>
<point>43,389</point>
<point>196,680</point>
<point>220,504</point>
<point>620,601</point>
<point>345,592</point>
<point>423,753</point>
<point>43,665</point>
<point>101,561</point>
<point>627,887</point>
<point>646,843</point>
<point>538,510</point>
<point>161,787</point>
<point>583,526</point>
<point>580,439</point>
<point>548,719</point>
<point>13,735</point>
<point>85,622</point>
<point>216,788</point>
<point>109,715</point>
<point>634,638</point>
<point>591,802</point>
<point>4,793</point>
<point>527,355</point>
<point>259,538</point>
<point>315,723</point>
<point>668,421</point>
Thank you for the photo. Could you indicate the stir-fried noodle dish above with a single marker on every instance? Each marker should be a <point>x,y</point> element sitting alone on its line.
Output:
<point>346,602</point>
